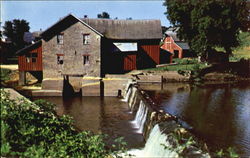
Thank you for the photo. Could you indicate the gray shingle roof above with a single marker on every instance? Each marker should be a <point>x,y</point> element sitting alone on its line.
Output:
<point>172,32</point>
<point>127,29</point>
<point>113,29</point>
<point>183,45</point>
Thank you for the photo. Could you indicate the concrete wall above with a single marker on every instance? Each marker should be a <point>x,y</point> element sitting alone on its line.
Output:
<point>103,87</point>
<point>73,50</point>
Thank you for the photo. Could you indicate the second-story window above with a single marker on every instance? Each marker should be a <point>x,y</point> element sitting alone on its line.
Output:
<point>86,38</point>
<point>31,57</point>
<point>60,38</point>
<point>34,57</point>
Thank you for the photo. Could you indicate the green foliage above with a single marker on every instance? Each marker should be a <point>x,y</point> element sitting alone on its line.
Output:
<point>209,23</point>
<point>180,142</point>
<point>33,130</point>
<point>229,152</point>
<point>244,38</point>
<point>14,30</point>
<point>4,74</point>
<point>103,15</point>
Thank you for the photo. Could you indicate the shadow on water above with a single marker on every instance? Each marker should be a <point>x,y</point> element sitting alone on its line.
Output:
<point>219,114</point>
<point>104,115</point>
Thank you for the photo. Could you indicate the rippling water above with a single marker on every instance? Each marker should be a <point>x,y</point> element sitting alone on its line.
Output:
<point>219,114</point>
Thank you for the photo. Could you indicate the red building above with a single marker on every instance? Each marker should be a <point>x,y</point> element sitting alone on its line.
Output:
<point>30,60</point>
<point>174,45</point>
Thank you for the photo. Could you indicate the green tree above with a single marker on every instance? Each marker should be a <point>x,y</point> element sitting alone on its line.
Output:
<point>209,24</point>
<point>103,15</point>
<point>8,30</point>
<point>14,30</point>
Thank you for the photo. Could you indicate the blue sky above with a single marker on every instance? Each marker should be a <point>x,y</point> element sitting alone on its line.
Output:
<point>42,14</point>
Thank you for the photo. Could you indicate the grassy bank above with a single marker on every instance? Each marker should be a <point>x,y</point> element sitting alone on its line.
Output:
<point>241,53</point>
<point>183,65</point>
<point>34,130</point>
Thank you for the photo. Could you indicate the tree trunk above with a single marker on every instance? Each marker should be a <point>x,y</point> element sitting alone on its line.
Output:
<point>228,53</point>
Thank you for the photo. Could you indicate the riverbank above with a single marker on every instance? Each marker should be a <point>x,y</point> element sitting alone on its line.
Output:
<point>33,129</point>
<point>111,85</point>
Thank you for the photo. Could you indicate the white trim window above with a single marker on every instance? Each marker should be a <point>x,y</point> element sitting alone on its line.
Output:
<point>86,38</point>
<point>60,38</point>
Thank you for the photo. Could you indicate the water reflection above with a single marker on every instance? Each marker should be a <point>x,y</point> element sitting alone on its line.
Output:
<point>219,114</point>
<point>106,115</point>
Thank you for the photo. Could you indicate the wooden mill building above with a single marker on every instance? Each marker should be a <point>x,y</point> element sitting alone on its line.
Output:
<point>92,47</point>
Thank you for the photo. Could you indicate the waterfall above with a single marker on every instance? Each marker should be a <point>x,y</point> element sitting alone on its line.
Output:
<point>132,98</point>
<point>127,95</point>
<point>154,146</point>
<point>140,117</point>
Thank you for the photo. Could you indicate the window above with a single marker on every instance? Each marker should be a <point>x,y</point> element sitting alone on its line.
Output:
<point>60,38</point>
<point>86,38</point>
<point>60,59</point>
<point>85,59</point>
<point>31,57</point>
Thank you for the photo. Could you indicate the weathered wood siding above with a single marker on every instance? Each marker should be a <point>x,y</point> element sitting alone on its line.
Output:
<point>153,51</point>
<point>129,62</point>
<point>24,65</point>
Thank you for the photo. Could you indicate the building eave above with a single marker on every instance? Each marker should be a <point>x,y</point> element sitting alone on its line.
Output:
<point>43,34</point>
<point>27,48</point>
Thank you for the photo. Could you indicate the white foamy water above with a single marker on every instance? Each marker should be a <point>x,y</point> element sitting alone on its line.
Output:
<point>154,147</point>
<point>127,95</point>
<point>140,117</point>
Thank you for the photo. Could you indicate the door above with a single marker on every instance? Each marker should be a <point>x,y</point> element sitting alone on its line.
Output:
<point>129,62</point>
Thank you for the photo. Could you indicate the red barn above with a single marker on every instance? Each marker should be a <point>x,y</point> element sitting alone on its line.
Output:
<point>174,45</point>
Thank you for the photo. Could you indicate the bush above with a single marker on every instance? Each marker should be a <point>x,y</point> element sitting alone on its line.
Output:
<point>4,74</point>
<point>34,130</point>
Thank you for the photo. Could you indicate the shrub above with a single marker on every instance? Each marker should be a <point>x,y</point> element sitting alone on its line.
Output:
<point>34,130</point>
<point>4,74</point>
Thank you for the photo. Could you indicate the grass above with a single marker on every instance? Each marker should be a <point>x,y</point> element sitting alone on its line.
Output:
<point>187,67</point>
<point>242,52</point>
<point>185,64</point>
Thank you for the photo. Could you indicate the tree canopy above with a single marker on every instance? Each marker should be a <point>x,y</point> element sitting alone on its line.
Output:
<point>14,30</point>
<point>103,15</point>
<point>207,24</point>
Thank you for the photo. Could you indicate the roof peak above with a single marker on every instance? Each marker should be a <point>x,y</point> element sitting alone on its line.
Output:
<point>118,19</point>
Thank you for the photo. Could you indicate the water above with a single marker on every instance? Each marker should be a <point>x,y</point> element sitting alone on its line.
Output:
<point>155,146</point>
<point>218,114</point>
<point>140,117</point>
<point>108,116</point>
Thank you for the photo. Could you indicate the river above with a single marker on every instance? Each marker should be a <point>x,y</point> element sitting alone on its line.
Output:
<point>219,114</point>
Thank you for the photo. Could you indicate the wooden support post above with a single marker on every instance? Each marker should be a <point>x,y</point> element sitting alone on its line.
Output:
<point>22,78</point>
